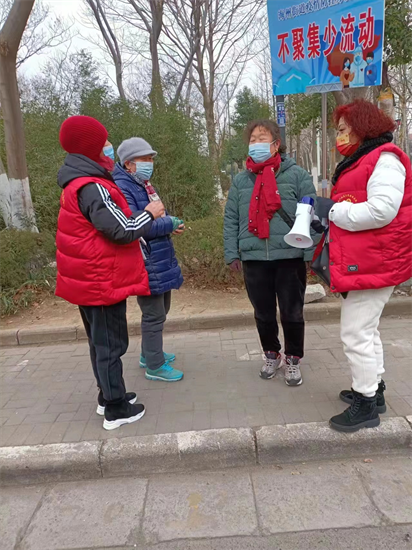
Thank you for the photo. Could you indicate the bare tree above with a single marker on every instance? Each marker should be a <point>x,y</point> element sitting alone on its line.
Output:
<point>401,80</point>
<point>100,15</point>
<point>219,37</point>
<point>42,31</point>
<point>15,197</point>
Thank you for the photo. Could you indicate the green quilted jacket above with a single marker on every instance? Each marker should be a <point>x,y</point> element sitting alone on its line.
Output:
<point>293,184</point>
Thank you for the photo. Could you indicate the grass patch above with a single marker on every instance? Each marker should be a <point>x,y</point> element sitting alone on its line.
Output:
<point>201,257</point>
<point>27,268</point>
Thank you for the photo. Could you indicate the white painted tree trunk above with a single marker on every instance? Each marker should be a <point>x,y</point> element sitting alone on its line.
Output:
<point>15,204</point>
<point>15,198</point>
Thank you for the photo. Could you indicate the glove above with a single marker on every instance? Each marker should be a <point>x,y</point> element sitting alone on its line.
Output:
<point>322,207</point>
<point>176,222</point>
<point>236,266</point>
<point>317,226</point>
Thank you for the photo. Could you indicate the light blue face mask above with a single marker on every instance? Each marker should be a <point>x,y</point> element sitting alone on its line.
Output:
<point>108,151</point>
<point>144,170</point>
<point>260,152</point>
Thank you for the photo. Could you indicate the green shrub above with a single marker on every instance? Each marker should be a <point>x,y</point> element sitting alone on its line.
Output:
<point>26,268</point>
<point>200,254</point>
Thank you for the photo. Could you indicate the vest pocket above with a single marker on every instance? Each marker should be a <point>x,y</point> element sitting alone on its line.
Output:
<point>362,253</point>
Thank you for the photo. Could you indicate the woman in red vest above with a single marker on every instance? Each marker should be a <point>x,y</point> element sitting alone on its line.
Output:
<point>370,236</point>
<point>99,261</point>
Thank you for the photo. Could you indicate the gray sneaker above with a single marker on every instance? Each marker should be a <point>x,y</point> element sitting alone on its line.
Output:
<point>293,376</point>
<point>272,364</point>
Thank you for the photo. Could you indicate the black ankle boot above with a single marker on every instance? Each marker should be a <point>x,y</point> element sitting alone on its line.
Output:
<point>347,397</point>
<point>131,397</point>
<point>117,414</point>
<point>362,413</point>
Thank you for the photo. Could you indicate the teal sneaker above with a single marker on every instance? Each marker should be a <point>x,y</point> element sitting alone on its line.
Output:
<point>166,373</point>
<point>169,358</point>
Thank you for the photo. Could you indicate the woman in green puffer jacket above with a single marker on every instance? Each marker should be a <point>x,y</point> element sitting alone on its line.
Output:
<point>254,236</point>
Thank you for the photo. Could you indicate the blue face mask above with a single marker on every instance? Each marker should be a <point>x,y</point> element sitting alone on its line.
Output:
<point>369,60</point>
<point>260,152</point>
<point>108,151</point>
<point>144,170</point>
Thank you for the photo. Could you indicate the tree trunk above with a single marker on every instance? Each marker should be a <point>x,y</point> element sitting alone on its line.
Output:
<point>347,96</point>
<point>156,93</point>
<point>298,159</point>
<point>189,92</point>
<point>209,107</point>
<point>16,201</point>
<point>119,80</point>
<point>314,146</point>
<point>332,151</point>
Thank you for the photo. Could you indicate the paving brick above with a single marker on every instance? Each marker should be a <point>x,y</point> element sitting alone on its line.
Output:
<point>147,425</point>
<point>38,433</point>
<point>40,418</point>
<point>219,418</point>
<point>201,420</point>
<point>56,432</point>
<point>20,435</point>
<point>400,406</point>
<point>184,422</point>
<point>5,433</point>
<point>58,381</point>
<point>74,432</point>
<point>94,429</point>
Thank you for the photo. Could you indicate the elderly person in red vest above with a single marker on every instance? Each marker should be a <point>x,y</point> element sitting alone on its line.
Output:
<point>99,260</point>
<point>370,219</point>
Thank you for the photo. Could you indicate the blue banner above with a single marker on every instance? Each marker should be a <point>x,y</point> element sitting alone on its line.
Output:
<point>325,42</point>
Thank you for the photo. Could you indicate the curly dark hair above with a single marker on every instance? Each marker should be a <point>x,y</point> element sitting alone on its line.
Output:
<point>270,125</point>
<point>366,119</point>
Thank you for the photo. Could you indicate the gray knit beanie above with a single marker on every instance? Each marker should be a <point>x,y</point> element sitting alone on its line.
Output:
<point>134,147</point>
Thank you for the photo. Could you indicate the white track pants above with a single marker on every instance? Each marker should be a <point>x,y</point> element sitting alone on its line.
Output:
<point>360,316</point>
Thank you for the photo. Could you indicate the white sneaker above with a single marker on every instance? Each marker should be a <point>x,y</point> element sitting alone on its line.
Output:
<point>272,364</point>
<point>293,376</point>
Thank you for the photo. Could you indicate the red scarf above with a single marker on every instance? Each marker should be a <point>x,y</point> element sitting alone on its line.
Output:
<point>265,199</point>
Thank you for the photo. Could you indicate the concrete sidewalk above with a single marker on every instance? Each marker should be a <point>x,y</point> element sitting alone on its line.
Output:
<point>332,505</point>
<point>48,394</point>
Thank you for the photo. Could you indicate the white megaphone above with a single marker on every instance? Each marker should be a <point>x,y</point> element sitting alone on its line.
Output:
<point>299,235</point>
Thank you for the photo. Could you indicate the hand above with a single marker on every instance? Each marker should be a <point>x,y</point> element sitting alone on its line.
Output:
<point>156,208</point>
<point>322,207</point>
<point>317,226</point>
<point>177,223</point>
<point>180,229</point>
<point>236,266</point>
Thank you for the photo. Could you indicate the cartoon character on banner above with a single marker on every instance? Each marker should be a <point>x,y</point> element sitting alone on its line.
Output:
<point>346,76</point>
<point>358,68</point>
<point>371,70</point>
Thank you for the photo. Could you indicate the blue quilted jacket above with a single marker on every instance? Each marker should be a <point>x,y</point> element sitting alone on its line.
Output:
<point>161,263</point>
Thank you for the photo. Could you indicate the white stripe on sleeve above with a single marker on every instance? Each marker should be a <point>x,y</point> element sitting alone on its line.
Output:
<point>128,224</point>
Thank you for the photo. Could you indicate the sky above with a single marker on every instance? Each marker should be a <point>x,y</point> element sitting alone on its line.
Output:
<point>70,10</point>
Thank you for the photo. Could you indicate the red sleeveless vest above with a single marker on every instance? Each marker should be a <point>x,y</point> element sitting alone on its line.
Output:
<point>91,270</point>
<point>376,258</point>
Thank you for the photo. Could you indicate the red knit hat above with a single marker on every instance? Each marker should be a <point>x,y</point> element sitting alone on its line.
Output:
<point>83,135</point>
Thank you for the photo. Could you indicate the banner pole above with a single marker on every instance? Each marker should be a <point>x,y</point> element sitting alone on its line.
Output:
<point>280,103</point>
<point>324,144</point>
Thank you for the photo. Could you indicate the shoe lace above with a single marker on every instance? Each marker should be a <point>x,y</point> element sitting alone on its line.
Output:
<point>292,368</point>
<point>167,367</point>
<point>270,364</point>
<point>354,408</point>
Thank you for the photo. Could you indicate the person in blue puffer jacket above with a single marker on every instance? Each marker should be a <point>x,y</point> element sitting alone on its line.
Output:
<point>132,174</point>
